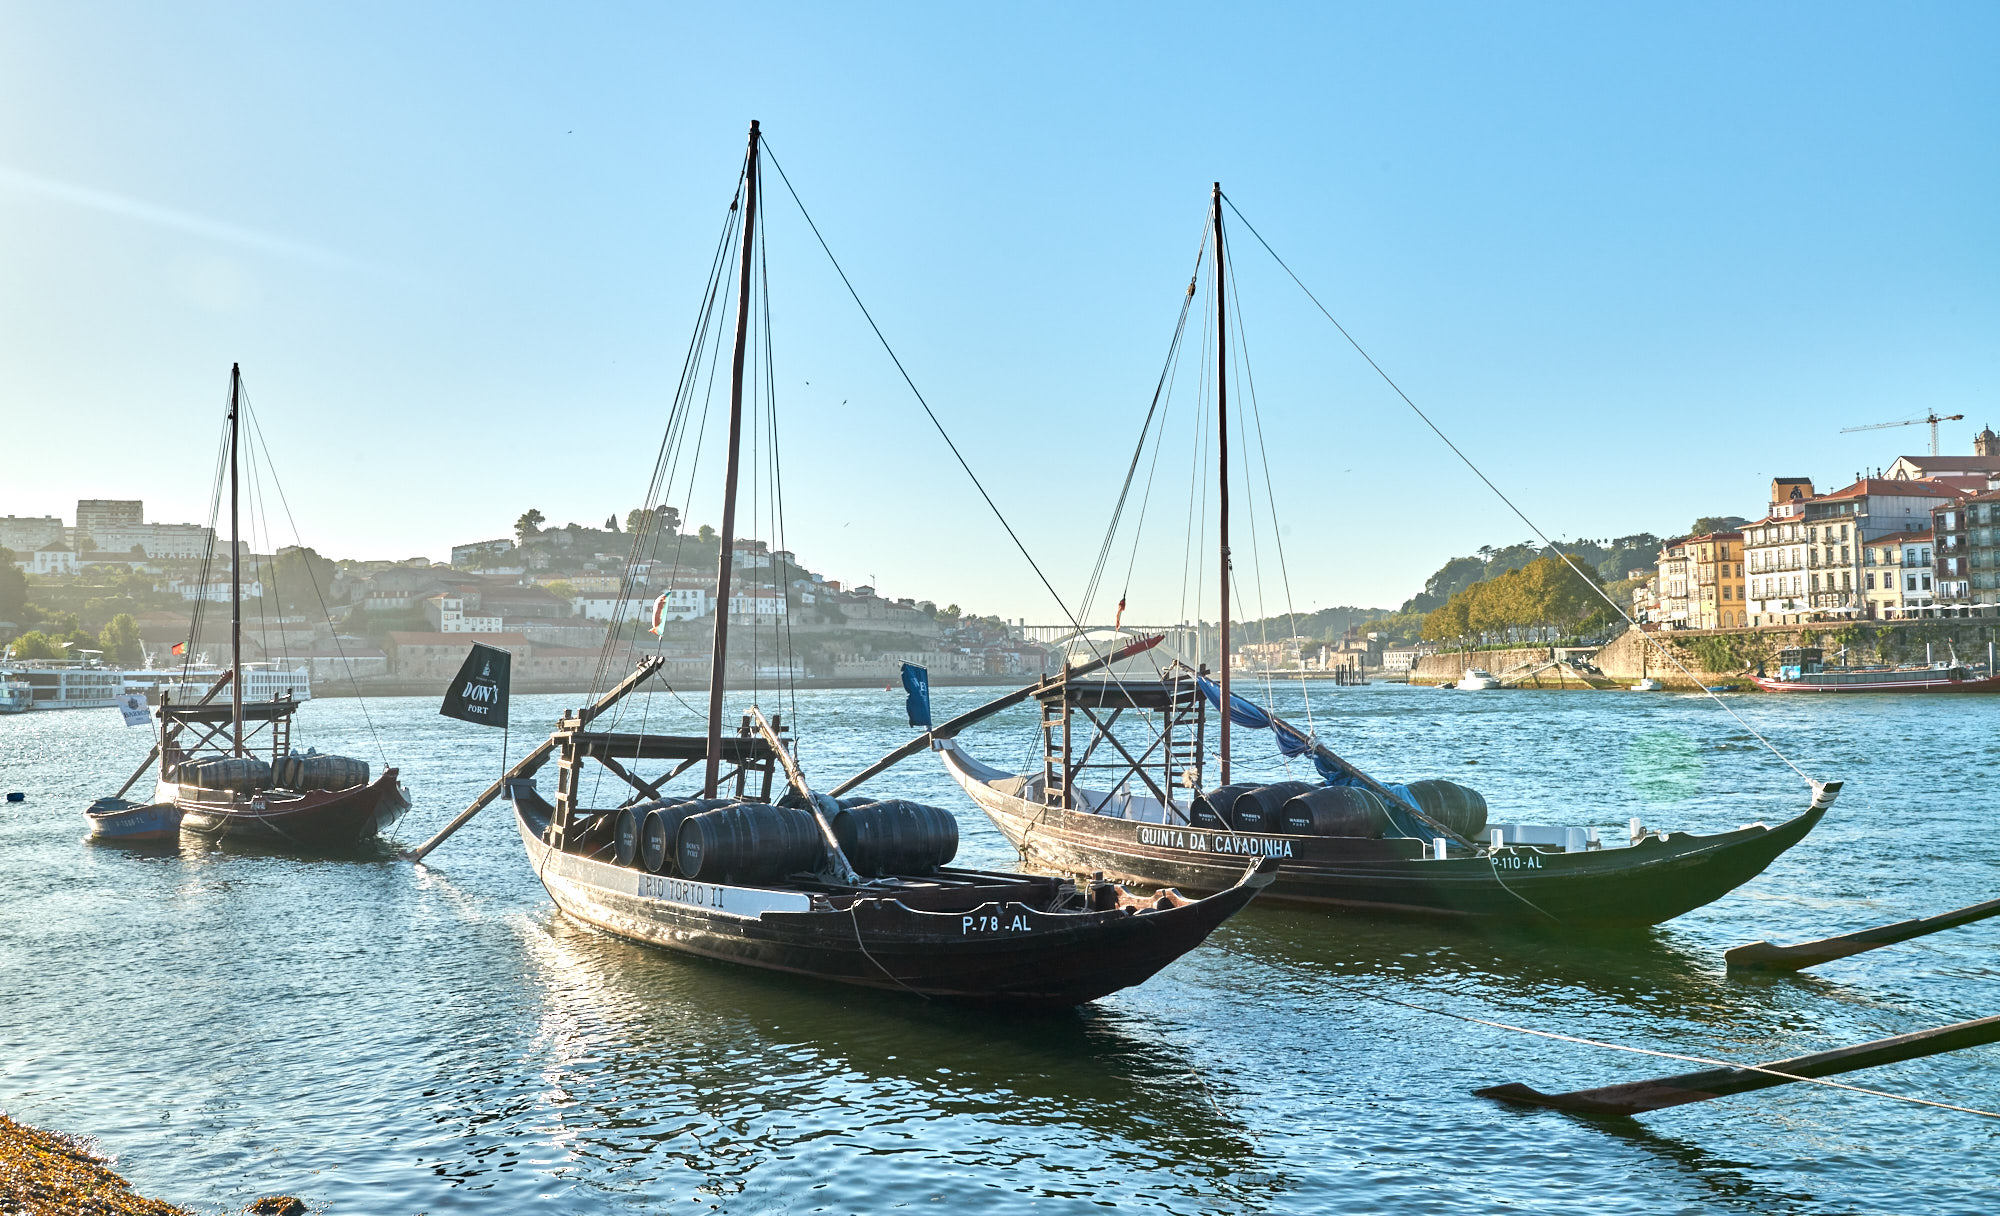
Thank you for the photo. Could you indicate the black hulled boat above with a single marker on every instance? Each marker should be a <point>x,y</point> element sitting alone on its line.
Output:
<point>862,891</point>
<point>1111,798</point>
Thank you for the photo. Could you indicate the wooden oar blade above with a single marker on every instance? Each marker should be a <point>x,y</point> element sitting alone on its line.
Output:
<point>1658,1093</point>
<point>1765,956</point>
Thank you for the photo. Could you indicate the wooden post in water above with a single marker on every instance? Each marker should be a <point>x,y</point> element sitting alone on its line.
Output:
<point>727,538</point>
<point>235,567</point>
<point>1222,463</point>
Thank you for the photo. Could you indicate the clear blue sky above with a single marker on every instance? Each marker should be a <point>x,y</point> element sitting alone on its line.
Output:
<point>1636,259</point>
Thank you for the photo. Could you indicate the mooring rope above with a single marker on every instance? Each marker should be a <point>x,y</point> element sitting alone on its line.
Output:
<point>1521,515</point>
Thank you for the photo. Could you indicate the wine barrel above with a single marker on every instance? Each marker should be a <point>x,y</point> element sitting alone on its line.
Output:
<point>658,827</point>
<point>1458,807</point>
<point>1216,810</point>
<point>748,842</point>
<point>1335,810</point>
<point>319,771</point>
<point>896,837</point>
<point>627,834</point>
<point>1259,809</point>
<point>244,774</point>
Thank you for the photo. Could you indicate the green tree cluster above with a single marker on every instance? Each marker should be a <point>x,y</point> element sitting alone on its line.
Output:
<point>120,640</point>
<point>1546,598</point>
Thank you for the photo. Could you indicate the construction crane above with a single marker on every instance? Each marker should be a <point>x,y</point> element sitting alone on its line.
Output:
<point>1933,419</point>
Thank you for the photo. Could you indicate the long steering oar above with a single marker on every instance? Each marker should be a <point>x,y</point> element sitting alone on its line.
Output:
<point>1763,956</point>
<point>951,728</point>
<point>535,759</point>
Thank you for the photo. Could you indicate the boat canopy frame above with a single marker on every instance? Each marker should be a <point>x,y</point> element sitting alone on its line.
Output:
<point>1175,695</point>
<point>750,763</point>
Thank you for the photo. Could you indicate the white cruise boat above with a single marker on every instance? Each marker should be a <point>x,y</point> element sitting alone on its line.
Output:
<point>261,682</point>
<point>32,684</point>
<point>1477,679</point>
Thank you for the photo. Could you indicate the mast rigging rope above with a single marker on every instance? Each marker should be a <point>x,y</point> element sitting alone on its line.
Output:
<point>1479,473</point>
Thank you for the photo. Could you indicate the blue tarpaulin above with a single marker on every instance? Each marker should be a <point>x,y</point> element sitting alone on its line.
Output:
<point>917,682</point>
<point>1331,768</point>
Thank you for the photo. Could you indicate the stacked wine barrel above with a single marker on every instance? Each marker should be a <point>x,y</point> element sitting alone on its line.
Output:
<point>235,774</point>
<point>312,770</point>
<point>1299,808</point>
<point>725,840</point>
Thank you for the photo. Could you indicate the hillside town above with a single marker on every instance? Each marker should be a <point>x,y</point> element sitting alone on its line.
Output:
<point>1913,540</point>
<point>567,602</point>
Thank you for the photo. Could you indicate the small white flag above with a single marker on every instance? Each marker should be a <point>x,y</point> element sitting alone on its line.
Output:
<point>133,706</point>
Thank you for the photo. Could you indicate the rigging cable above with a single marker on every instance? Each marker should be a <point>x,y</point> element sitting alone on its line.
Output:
<point>257,433</point>
<point>1477,472</point>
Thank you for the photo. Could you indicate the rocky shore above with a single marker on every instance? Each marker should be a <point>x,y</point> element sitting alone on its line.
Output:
<point>50,1174</point>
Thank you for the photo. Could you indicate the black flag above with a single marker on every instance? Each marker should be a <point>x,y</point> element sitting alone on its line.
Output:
<point>479,694</point>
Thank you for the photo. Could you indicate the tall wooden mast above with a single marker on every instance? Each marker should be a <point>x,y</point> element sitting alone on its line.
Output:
<point>235,568</point>
<point>1222,462</point>
<point>728,536</point>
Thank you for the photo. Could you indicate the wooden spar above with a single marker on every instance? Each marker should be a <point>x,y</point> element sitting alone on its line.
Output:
<point>235,567</point>
<point>1638,1097</point>
<point>1222,467</point>
<point>842,869</point>
<point>1763,956</point>
<point>535,759</point>
<point>727,538</point>
<point>955,725</point>
<point>138,772</point>
<point>224,678</point>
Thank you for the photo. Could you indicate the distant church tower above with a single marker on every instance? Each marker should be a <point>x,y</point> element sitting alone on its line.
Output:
<point>1986,443</point>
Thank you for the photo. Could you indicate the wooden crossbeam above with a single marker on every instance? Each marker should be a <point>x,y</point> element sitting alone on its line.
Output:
<point>1139,765</point>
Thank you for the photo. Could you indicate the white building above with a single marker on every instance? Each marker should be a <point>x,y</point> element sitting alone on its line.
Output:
<point>447,614</point>
<point>1774,569</point>
<point>757,603</point>
<point>156,541</point>
<point>1896,574</point>
<point>52,559</point>
<point>461,554</point>
<point>27,533</point>
<point>215,593</point>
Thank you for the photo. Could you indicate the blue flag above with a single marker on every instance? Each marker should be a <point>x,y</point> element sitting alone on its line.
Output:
<point>917,682</point>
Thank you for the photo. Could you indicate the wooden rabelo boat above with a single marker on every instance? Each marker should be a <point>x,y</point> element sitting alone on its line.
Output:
<point>1344,839</point>
<point>779,877</point>
<point>214,779</point>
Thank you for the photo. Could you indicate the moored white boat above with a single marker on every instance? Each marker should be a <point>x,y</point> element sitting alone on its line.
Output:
<point>1477,679</point>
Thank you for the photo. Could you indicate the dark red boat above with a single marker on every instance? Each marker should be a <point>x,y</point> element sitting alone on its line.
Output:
<point>213,769</point>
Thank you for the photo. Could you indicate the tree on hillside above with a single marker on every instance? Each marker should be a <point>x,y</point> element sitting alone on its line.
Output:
<point>529,524</point>
<point>120,640</point>
<point>35,644</point>
<point>706,535</point>
<point>13,588</point>
<point>1715,523</point>
<point>302,579</point>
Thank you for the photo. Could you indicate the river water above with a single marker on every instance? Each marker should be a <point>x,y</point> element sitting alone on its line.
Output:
<point>385,1038</point>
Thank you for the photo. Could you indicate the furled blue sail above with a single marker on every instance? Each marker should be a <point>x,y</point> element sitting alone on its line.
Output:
<point>1405,816</point>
